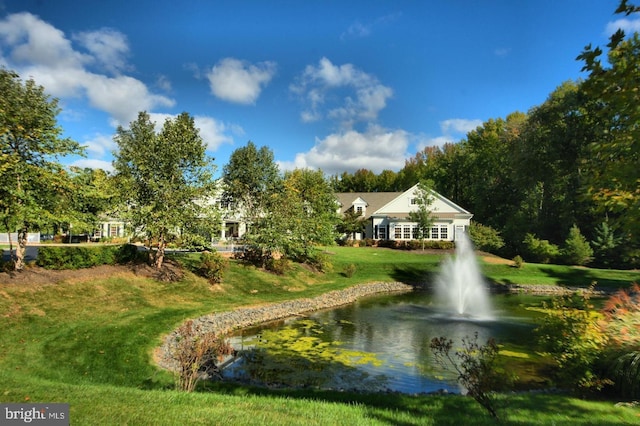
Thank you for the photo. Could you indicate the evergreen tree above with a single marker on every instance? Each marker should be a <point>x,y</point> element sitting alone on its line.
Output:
<point>576,250</point>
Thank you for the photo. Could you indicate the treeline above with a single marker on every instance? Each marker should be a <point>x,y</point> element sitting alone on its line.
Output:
<point>572,162</point>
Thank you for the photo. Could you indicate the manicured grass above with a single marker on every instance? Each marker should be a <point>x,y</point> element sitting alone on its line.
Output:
<point>90,343</point>
<point>559,275</point>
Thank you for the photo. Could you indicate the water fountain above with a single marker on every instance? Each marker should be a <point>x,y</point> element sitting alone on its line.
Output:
<point>460,287</point>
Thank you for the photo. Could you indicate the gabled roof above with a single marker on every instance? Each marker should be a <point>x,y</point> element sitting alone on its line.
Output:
<point>374,200</point>
<point>396,204</point>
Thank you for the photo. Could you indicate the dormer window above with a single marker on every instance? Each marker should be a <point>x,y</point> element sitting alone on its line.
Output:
<point>359,209</point>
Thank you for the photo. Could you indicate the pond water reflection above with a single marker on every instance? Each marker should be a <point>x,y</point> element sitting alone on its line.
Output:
<point>377,344</point>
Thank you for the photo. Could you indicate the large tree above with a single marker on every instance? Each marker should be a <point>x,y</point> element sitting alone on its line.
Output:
<point>614,182</point>
<point>296,218</point>
<point>552,150</point>
<point>316,208</point>
<point>251,178</point>
<point>167,179</point>
<point>32,181</point>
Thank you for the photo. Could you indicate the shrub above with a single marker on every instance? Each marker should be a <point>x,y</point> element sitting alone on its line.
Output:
<point>485,238</point>
<point>197,354</point>
<point>541,251</point>
<point>622,324</point>
<point>387,243</point>
<point>518,262</point>
<point>128,253</point>
<point>476,367</point>
<point>321,261</point>
<point>570,333</point>
<point>369,242</point>
<point>212,266</point>
<point>576,250</point>
<point>278,266</point>
<point>73,257</point>
<point>349,270</point>
<point>7,266</point>
<point>440,245</point>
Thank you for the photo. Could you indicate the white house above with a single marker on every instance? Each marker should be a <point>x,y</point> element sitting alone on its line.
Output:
<point>387,215</point>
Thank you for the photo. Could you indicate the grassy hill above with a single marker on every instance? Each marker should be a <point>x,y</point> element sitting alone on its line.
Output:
<point>88,338</point>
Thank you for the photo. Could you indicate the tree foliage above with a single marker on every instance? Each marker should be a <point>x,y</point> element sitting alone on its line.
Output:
<point>570,333</point>
<point>422,216</point>
<point>251,180</point>
<point>485,238</point>
<point>351,223</point>
<point>613,182</point>
<point>167,179</point>
<point>576,250</point>
<point>34,183</point>
<point>295,219</point>
<point>606,245</point>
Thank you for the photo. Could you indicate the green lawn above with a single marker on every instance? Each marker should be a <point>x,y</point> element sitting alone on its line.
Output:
<point>90,343</point>
<point>559,275</point>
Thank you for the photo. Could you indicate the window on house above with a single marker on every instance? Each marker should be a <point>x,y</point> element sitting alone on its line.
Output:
<point>414,231</point>
<point>382,233</point>
<point>414,201</point>
<point>434,233</point>
<point>444,232</point>
<point>407,232</point>
<point>398,232</point>
<point>113,230</point>
<point>359,209</point>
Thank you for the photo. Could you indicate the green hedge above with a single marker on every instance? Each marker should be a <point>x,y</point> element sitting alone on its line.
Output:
<point>417,244</point>
<point>74,257</point>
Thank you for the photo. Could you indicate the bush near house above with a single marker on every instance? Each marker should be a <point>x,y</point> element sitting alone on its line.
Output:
<point>416,244</point>
<point>212,266</point>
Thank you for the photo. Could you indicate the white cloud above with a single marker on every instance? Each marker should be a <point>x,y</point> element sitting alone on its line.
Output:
<point>502,51</point>
<point>100,144</point>
<point>356,30</point>
<point>93,164</point>
<point>360,30</point>
<point>238,81</point>
<point>30,40</point>
<point>215,133</point>
<point>459,125</point>
<point>365,96</point>
<point>453,130</point>
<point>164,83</point>
<point>437,141</point>
<point>122,97</point>
<point>627,25</point>
<point>108,47</point>
<point>36,49</point>
<point>376,149</point>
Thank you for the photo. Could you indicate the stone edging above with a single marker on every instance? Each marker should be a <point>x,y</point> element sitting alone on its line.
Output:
<point>225,322</point>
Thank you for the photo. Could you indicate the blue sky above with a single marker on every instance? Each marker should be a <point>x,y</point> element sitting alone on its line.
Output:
<point>336,85</point>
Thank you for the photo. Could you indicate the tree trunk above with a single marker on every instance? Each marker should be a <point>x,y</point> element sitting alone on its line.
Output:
<point>159,257</point>
<point>21,249</point>
<point>12,256</point>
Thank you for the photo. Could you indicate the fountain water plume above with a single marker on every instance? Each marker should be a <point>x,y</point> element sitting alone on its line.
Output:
<point>460,286</point>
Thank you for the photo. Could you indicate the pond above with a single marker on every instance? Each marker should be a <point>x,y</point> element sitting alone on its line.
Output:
<point>382,344</point>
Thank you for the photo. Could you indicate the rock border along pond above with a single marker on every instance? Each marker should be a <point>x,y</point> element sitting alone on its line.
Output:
<point>223,323</point>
